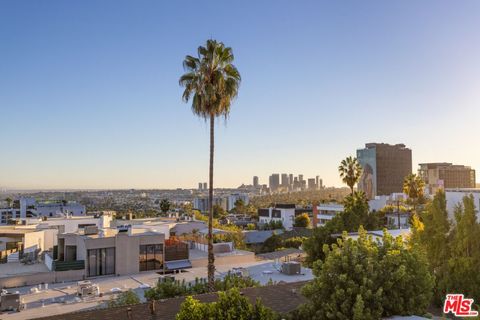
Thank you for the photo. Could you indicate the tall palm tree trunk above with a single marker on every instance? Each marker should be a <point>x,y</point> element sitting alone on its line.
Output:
<point>211,257</point>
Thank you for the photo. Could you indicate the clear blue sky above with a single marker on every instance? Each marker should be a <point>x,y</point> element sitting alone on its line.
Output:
<point>89,94</point>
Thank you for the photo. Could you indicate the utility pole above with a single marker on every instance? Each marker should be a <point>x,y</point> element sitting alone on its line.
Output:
<point>398,213</point>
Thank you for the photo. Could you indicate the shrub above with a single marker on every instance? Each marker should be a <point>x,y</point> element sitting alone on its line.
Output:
<point>124,299</point>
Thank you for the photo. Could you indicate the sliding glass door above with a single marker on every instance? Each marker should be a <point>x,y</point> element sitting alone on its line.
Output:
<point>101,261</point>
<point>151,257</point>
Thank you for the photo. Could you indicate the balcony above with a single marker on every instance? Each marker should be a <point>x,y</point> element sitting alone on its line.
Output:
<point>68,265</point>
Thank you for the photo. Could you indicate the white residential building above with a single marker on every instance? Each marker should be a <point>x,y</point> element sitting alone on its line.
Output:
<point>281,212</point>
<point>234,197</point>
<point>202,203</point>
<point>379,202</point>
<point>325,212</point>
<point>25,208</point>
<point>40,234</point>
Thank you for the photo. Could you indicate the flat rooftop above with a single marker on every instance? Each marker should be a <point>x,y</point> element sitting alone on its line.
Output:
<point>200,254</point>
<point>60,298</point>
<point>112,232</point>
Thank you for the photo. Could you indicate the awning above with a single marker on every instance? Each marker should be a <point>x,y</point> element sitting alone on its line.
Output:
<point>178,264</point>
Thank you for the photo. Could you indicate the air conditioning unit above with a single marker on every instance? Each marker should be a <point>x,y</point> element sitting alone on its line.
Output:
<point>9,301</point>
<point>86,288</point>
<point>291,268</point>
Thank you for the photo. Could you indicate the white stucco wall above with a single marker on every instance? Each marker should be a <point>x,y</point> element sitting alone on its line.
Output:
<point>455,197</point>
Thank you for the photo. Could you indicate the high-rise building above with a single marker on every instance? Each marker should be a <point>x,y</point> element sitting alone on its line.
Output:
<point>311,184</point>
<point>255,181</point>
<point>296,184</point>
<point>200,186</point>
<point>274,181</point>
<point>446,175</point>
<point>317,182</point>
<point>284,180</point>
<point>320,185</point>
<point>303,184</point>
<point>205,186</point>
<point>385,166</point>
<point>290,180</point>
<point>300,177</point>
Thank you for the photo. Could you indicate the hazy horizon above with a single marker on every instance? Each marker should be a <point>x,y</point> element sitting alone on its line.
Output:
<point>90,99</point>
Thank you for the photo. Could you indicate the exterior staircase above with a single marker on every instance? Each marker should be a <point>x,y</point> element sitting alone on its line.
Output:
<point>13,257</point>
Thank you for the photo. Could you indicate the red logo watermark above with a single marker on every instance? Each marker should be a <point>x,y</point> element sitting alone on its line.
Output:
<point>459,306</point>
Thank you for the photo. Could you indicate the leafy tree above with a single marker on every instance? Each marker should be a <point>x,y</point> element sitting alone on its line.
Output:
<point>302,221</point>
<point>431,232</point>
<point>230,305</point>
<point>188,209</point>
<point>9,201</point>
<point>272,243</point>
<point>464,263</point>
<point>413,187</point>
<point>240,207</point>
<point>436,228</point>
<point>124,299</point>
<point>219,212</point>
<point>273,225</point>
<point>165,206</point>
<point>170,289</point>
<point>211,82</point>
<point>251,226</point>
<point>405,280</point>
<point>453,250</point>
<point>320,237</point>
<point>192,309</point>
<point>252,211</point>
<point>350,171</point>
<point>356,213</point>
<point>363,279</point>
<point>294,242</point>
<point>260,312</point>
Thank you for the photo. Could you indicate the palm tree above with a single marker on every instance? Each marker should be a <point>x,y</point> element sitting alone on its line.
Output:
<point>165,206</point>
<point>350,171</point>
<point>211,82</point>
<point>413,187</point>
<point>9,201</point>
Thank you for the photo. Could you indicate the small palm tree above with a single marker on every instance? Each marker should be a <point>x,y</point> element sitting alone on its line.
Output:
<point>9,201</point>
<point>413,187</point>
<point>211,82</point>
<point>165,206</point>
<point>350,171</point>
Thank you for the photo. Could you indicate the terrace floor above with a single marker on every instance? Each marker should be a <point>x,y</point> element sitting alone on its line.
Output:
<point>18,268</point>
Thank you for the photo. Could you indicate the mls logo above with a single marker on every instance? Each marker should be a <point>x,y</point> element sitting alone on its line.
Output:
<point>459,306</point>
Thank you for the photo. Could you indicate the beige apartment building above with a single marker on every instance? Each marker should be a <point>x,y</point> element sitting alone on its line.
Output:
<point>117,251</point>
<point>446,175</point>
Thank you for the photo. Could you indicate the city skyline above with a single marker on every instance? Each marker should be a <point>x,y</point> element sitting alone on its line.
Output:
<point>90,98</point>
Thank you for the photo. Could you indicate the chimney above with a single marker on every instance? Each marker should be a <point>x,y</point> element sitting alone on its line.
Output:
<point>315,214</point>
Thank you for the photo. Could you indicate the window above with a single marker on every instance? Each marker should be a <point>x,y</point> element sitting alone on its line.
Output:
<point>101,261</point>
<point>151,257</point>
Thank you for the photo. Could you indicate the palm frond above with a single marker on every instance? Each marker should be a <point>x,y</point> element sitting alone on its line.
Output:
<point>211,78</point>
